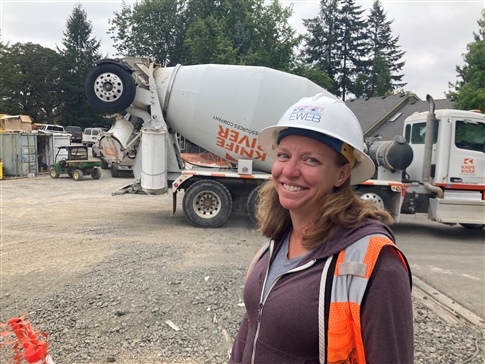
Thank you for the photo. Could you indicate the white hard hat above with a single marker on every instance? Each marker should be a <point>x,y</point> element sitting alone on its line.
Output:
<point>328,120</point>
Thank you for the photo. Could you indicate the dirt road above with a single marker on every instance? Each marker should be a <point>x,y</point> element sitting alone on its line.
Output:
<point>55,231</point>
<point>118,278</point>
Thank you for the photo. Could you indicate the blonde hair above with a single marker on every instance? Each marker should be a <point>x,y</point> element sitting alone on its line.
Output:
<point>342,207</point>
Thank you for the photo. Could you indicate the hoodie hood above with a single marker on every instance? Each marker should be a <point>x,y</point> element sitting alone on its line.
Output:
<point>343,237</point>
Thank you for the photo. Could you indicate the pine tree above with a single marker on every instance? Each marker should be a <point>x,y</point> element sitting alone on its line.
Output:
<point>380,34</point>
<point>354,46</point>
<point>336,43</point>
<point>377,83</point>
<point>321,49</point>
<point>470,90</point>
<point>80,52</point>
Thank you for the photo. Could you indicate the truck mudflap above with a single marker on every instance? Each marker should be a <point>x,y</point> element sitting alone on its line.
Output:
<point>462,207</point>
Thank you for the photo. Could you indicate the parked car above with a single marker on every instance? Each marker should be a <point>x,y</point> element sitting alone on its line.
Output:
<point>52,128</point>
<point>90,135</point>
<point>76,132</point>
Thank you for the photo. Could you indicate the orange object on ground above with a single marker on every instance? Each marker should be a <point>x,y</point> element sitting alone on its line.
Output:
<point>26,338</point>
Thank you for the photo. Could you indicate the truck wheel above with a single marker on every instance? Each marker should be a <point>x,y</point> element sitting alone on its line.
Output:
<point>473,226</point>
<point>104,164</point>
<point>375,195</point>
<point>77,175</point>
<point>207,204</point>
<point>115,172</point>
<point>53,172</point>
<point>253,204</point>
<point>96,173</point>
<point>110,88</point>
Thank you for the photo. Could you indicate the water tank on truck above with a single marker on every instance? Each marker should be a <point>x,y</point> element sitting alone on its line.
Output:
<point>394,155</point>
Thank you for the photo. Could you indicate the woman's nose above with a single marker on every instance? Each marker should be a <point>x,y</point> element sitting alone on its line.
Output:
<point>292,169</point>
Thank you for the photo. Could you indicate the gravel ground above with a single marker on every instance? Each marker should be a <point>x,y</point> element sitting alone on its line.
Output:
<point>119,279</point>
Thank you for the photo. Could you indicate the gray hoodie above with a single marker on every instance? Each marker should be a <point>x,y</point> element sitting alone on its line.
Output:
<point>288,332</point>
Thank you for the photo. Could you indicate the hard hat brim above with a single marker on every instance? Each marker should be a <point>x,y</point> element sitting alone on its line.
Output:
<point>363,170</point>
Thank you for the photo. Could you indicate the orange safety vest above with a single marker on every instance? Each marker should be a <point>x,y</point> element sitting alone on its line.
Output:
<point>353,269</point>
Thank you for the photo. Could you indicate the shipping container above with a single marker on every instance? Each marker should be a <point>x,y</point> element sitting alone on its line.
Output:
<point>19,153</point>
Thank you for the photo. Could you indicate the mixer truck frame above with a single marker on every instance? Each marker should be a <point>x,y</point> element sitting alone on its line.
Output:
<point>222,108</point>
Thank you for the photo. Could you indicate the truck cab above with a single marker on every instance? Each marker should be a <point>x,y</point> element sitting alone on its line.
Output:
<point>457,166</point>
<point>458,157</point>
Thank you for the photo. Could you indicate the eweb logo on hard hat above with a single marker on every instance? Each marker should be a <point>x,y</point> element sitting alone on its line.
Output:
<point>306,113</point>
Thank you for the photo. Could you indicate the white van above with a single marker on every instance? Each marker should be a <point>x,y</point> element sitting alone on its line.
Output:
<point>90,135</point>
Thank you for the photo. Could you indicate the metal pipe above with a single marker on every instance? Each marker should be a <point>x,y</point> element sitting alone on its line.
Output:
<point>428,149</point>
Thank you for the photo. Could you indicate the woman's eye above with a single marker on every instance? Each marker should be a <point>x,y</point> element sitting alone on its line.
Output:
<point>312,160</point>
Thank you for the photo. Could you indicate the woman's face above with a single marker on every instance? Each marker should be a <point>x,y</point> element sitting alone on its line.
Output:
<point>305,173</point>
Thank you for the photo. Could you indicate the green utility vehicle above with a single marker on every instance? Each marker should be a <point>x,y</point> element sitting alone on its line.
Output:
<point>76,165</point>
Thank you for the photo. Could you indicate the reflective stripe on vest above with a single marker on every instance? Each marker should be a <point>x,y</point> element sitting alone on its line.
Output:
<point>352,272</point>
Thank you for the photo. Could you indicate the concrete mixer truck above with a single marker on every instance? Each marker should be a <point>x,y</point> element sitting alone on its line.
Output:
<point>222,108</point>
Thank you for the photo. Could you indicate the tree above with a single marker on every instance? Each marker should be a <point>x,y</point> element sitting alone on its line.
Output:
<point>30,82</point>
<point>314,74</point>
<point>378,83</point>
<point>354,46</point>
<point>385,46</point>
<point>151,28</point>
<point>7,75</point>
<point>80,52</point>
<point>336,43</point>
<point>208,42</point>
<point>219,31</point>
<point>321,48</point>
<point>274,41</point>
<point>470,90</point>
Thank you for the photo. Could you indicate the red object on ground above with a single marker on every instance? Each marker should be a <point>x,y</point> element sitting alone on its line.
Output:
<point>35,350</point>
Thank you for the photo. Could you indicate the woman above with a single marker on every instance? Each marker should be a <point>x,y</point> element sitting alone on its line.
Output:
<point>329,285</point>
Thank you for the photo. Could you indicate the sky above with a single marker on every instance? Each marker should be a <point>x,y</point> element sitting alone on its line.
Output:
<point>433,33</point>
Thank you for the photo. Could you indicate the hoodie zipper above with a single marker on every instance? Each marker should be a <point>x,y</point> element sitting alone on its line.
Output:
<point>262,299</point>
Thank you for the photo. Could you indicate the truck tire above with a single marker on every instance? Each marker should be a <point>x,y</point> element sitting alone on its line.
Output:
<point>376,195</point>
<point>96,173</point>
<point>207,204</point>
<point>115,172</point>
<point>253,205</point>
<point>77,175</point>
<point>473,226</point>
<point>53,172</point>
<point>110,88</point>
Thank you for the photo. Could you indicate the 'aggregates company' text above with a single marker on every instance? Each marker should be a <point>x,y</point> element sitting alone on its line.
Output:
<point>233,139</point>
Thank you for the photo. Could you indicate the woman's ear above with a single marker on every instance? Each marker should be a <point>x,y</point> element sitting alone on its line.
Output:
<point>344,174</point>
